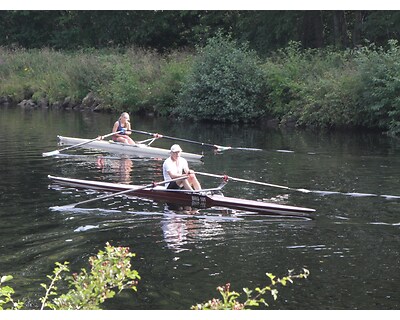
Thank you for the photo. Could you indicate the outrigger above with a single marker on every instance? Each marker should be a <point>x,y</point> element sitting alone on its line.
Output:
<point>202,199</point>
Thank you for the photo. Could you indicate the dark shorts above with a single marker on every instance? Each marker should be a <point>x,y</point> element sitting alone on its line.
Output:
<point>173,185</point>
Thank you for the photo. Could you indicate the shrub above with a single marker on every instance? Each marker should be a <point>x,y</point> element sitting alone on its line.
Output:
<point>315,88</point>
<point>166,87</point>
<point>122,91</point>
<point>380,99</point>
<point>224,84</point>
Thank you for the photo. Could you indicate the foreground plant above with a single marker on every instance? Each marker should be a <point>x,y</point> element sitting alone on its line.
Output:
<point>230,299</point>
<point>110,270</point>
<point>110,273</point>
<point>6,292</point>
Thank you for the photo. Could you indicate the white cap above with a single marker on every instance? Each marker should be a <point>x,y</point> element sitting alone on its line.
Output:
<point>175,148</point>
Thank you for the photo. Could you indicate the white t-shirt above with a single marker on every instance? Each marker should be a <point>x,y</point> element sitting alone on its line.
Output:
<point>177,167</point>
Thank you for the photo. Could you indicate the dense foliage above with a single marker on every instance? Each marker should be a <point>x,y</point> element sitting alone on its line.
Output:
<point>325,88</point>
<point>266,31</point>
<point>379,98</point>
<point>225,84</point>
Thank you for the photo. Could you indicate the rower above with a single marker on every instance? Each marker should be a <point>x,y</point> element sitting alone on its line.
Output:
<point>176,166</point>
<point>123,126</point>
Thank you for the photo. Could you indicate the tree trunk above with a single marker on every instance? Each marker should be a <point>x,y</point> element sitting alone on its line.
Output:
<point>340,29</point>
<point>358,20</point>
<point>312,33</point>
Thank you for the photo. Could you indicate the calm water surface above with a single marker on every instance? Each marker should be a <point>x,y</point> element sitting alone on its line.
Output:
<point>351,249</point>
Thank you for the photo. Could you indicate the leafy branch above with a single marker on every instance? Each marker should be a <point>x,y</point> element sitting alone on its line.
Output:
<point>110,271</point>
<point>6,293</point>
<point>230,299</point>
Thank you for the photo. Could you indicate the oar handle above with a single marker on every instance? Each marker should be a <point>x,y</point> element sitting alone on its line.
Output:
<point>152,185</point>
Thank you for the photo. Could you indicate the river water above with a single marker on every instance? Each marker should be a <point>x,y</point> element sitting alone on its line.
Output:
<point>351,248</point>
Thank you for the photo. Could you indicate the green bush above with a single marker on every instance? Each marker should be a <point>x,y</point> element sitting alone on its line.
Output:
<point>380,98</point>
<point>326,88</point>
<point>166,87</point>
<point>224,84</point>
<point>314,88</point>
<point>122,91</point>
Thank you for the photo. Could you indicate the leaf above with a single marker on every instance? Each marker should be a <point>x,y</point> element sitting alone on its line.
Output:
<point>252,303</point>
<point>7,290</point>
<point>247,291</point>
<point>274,293</point>
<point>6,278</point>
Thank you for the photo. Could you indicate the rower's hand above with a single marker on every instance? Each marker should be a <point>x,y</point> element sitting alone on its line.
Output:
<point>100,138</point>
<point>190,172</point>
<point>123,130</point>
<point>157,136</point>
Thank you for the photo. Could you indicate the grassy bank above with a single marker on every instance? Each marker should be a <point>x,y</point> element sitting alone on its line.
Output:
<point>312,88</point>
<point>133,80</point>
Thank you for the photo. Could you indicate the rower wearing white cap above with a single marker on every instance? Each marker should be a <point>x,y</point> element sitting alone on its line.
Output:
<point>175,166</point>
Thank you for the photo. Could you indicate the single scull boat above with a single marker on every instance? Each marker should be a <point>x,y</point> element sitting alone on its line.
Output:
<point>140,149</point>
<point>206,198</point>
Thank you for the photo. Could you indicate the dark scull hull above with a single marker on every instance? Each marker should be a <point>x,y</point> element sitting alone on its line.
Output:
<point>193,199</point>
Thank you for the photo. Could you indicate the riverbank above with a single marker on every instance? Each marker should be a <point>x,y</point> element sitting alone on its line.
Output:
<point>306,88</point>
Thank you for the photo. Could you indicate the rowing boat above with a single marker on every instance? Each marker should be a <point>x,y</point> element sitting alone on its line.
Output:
<point>139,149</point>
<point>202,199</point>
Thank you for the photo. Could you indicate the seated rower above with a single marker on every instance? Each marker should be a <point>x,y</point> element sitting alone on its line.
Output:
<point>174,167</point>
<point>122,124</point>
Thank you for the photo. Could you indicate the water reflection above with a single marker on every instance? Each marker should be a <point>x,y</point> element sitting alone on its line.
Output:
<point>121,168</point>
<point>181,233</point>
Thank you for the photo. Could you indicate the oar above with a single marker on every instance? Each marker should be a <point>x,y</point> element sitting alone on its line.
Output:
<point>217,147</point>
<point>323,193</point>
<point>251,181</point>
<point>55,152</point>
<point>152,185</point>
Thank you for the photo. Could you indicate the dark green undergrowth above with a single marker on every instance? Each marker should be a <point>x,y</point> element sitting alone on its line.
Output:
<point>222,81</point>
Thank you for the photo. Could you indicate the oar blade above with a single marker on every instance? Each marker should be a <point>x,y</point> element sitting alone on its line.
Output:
<point>246,149</point>
<point>50,154</point>
<point>221,148</point>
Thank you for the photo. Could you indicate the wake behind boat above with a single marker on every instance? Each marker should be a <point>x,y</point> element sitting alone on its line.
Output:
<point>205,198</point>
<point>139,149</point>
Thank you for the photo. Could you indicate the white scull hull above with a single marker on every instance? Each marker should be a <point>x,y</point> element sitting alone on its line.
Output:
<point>141,150</point>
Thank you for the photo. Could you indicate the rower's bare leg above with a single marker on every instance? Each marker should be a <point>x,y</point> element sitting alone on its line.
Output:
<point>194,182</point>
<point>186,185</point>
